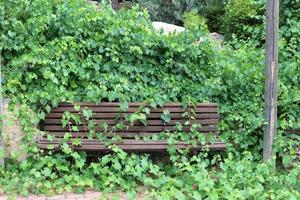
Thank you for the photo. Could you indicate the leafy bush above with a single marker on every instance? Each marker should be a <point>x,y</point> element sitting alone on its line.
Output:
<point>174,11</point>
<point>214,11</point>
<point>169,11</point>
<point>193,21</point>
<point>244,18</point>
<point>66,50</point>
<point>290,26</point>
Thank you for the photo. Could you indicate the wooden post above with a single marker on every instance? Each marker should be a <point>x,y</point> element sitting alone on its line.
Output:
<point>1,133</point>
<point>115,4</point>
<point>272,27</point>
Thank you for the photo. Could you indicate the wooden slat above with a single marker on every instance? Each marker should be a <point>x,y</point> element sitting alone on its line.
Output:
<point>129,145</point>
<point>134,104</point>
<point>131,110</point>
<point>151,116</point>
<point>149,122</point>
<point>295,131</point>
<point>122,134</point>
<point>125,141</point>
<point>134,128</point>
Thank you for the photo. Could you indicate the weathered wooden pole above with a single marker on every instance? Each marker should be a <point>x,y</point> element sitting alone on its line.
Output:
<point>1,133</point>
<point>115,4</point>
<point>272,27</point>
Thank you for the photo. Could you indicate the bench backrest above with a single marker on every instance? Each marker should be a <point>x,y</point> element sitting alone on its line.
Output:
<point>205,114</point>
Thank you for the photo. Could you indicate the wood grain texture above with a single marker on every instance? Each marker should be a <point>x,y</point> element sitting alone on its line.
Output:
<point>272,30</point>
<point>131,104</point>
<point>155,122</point>
<point>149,116</point>
<point>113,109</point>
<point>157,129</point>
<point>135,145</point>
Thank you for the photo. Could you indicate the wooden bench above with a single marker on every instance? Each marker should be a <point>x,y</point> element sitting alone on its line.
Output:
<point>294,131</point>
<point>205,114</point>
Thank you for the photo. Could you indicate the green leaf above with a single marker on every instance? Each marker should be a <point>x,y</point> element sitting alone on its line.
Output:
<point>124,106</point>
<point>77,107</point>
<point>76,142</point>
<point>166,117</point>
<point>46,172</point>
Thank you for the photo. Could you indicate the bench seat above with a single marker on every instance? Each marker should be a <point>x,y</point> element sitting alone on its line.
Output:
<point>205,114</point>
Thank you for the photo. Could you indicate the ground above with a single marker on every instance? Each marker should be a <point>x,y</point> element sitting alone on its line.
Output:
<point>88,195</point>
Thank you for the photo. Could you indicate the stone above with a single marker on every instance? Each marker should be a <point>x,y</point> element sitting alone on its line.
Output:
<point>217,37</point>
<point>167,28</point>
<point>92,2</point>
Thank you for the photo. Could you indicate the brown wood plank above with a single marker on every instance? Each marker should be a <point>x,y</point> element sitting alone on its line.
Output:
<point>131,110</point>
<point>50,121</point>
<point>122,134</point>
<point>133,104</point>
<point>115,4</point>
<point>295,131</point>
<point>129,145</point>
<point>125,141</point>
<point>151,116</point>
<point>134,128</point>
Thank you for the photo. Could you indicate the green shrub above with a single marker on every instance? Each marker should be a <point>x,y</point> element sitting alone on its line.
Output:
<point>169,11</point>
<point>214,11</point>
<point>193,21</point>
<point>244,19</point>
<point>174,11</point>
<point>290,26</point>
<point>211,11</point>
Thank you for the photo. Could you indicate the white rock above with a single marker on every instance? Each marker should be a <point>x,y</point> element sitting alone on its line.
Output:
<point>167,28</point>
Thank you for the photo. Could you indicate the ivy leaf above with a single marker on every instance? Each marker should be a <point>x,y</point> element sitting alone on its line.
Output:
<point>66,149</point>
<point>50,137</point>
<point>105,159</point>
<point>117,165</point>
<point>87,113</point>
<point>166,117</point>
<point>77,107</point>
<point>76,142</point>
<point>46,172</point>
<point>146,110</point>
<point>75,128</point>
<point>67,136</point>
<point>124,106</point>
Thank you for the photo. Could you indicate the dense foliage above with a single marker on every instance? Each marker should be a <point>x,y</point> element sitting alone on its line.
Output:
<point>174,11</point>
<point>243,19</point>
<point>55,50</point>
